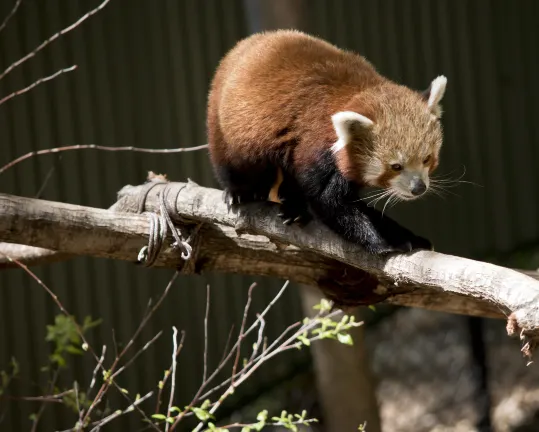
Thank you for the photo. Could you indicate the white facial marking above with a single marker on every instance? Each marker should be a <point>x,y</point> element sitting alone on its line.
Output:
<point>437,90</point>
<point>373,170</point>
<point>342,122</point>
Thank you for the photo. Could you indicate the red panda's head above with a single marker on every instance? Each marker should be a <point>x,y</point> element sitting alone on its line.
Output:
<point>390,137</point>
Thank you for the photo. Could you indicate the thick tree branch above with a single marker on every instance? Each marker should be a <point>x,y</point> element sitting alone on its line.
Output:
<point>254,241</point>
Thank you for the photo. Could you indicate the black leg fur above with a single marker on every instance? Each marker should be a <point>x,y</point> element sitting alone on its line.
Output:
<point>294,206</point>
<point>336,202</point>
<point>245,185</point>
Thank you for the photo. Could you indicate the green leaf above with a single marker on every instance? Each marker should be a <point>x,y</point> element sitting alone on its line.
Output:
<point>345,338</point>
<point>159,416</point>
<point>74,350</point>
<point>262,415</point>
<point>202,414</point>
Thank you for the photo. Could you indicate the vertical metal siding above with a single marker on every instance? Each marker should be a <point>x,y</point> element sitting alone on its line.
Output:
<point>142,81</point>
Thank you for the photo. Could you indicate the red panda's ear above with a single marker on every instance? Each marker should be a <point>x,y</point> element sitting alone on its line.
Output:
<point>346,123</point>
<point>434,94</point>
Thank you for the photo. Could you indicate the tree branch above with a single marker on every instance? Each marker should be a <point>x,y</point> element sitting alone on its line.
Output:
<point>254,241</point>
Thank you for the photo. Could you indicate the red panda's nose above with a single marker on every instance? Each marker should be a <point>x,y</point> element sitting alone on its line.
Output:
<point>418,187</point>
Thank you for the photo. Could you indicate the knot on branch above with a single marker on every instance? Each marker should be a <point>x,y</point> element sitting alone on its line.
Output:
<point>160,225</point>
<point>349,287</point>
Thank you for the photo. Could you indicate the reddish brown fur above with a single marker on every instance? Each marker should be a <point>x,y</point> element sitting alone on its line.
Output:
<point>276,91</point>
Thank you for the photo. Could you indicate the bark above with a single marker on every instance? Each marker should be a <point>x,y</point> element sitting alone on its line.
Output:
<point>253,240</point>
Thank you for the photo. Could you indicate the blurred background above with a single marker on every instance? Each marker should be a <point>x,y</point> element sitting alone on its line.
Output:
<point>142,80</point>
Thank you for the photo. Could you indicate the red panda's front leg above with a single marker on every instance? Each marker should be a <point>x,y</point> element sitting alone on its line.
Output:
<point>335,201</point>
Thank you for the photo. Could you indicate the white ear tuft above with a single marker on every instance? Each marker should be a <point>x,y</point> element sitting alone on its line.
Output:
<point>437,90</point>
<point>343,122</point>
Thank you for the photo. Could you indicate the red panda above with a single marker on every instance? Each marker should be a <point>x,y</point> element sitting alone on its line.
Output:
<point>284,103</point>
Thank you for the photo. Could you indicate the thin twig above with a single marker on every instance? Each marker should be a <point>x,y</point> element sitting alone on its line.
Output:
<point>227,344</point>
<point>98,147</point>
<point>47,398</point>
<point>259,339</point>
<point>205,373</point>
<point>53,38</point>
<point>264,356</point>
<point>81,334</point>
<point>76,388</point>
<point>10,15</point>
<point>97,367</point>
<point>246,425</point>
<point>241,336</point>
<point>173,382</point>
<point>139,352</point>
<point>106,383</point>
<point>36,83</point>
<point>228,357</point>
<point>48,177</point>
<point>117,414</point>
<point>43,405</point>
<point>167,374</point>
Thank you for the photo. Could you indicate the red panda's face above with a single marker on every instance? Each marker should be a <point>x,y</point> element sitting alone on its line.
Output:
<point>397,147</point>
<point>406,178</point>
<point>403,157</point>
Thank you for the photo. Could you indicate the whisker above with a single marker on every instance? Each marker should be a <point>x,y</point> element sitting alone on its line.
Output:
<point>376,200</point>
<point>387,202</point>
<point>375,194</point>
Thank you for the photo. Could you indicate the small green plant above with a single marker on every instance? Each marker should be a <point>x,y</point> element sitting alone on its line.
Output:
<point>66,337</point>
<point>6,376</point>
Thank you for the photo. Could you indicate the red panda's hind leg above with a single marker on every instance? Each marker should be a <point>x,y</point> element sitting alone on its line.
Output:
<point>246,184</point>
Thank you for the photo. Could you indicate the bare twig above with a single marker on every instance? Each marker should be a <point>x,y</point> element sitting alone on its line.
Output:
<point>205,373</point>
<point>97,367</point>
<point>218,369</point>
<point>53,38</point>
<point>36,83</point>
<point>42,407</point>
<point>241,336</point>
<point>45,398</point>
<point>88,346</point>
<point>227,344</point>
<point>137,354</point>
<point>246,425</point>
<point>173,379</point>
<point>10,15</point>
<point>167,374</point>
<point>117,414</point>
<point>266,355</point>
<point>107,382</point>
<point>98,147</point>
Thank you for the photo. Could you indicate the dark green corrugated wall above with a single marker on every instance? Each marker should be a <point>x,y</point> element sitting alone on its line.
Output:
<point>142,80</point>
<point>142,77</point>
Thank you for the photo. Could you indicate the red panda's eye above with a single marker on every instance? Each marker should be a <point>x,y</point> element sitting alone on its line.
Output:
<point>396,167</point>
<point>427,160</point>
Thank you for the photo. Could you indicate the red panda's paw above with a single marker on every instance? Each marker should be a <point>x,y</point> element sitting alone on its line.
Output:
<point>232,198</point>
<point>384,248</point>
<point>294,215</point>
